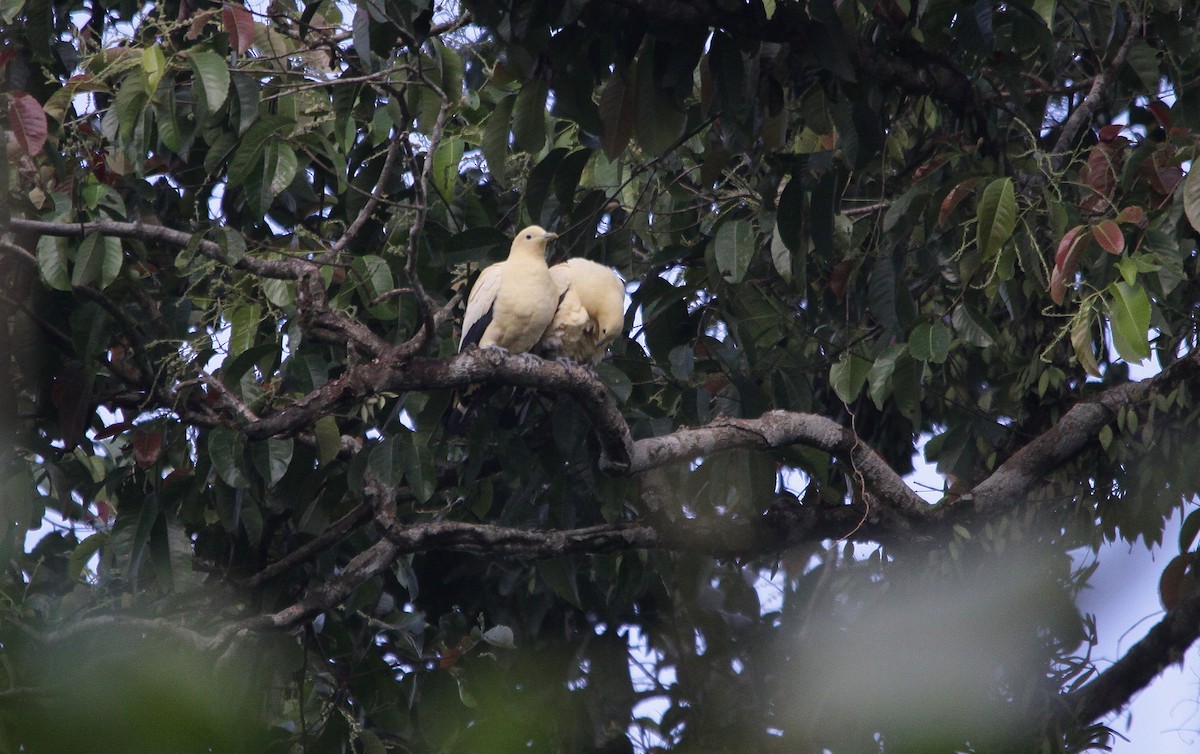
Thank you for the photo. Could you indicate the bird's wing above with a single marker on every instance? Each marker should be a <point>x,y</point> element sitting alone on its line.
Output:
<point>481,305</point>
<point>524,307</point>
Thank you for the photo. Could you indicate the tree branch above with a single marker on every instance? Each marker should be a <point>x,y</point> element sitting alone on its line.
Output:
<point>1082,115</point>
<point>1112,689</point>
<point>1025,469</point>
<point>281,269</point>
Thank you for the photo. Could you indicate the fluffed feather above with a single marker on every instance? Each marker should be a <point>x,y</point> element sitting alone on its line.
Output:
<point>590,314</point>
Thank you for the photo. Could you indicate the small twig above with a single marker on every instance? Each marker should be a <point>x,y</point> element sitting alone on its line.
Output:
<point>333,534</point>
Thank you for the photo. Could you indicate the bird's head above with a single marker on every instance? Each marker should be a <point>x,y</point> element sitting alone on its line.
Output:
<point>532,241</point>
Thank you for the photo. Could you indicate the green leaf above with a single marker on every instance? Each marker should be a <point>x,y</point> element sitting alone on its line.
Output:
<point>929,341</point>
<point>1191,198</point>
<point>329,439</point>
<point>848,375</point>
<point>387,460</point>
<point>83,552</point>
<point>1129,313</point>
<point>734,249</point>
<point>996,217</point>
<point>129,107</point>
<point>249,155</point>
<point>89,260</point>
<point>272,458</point>
<point>52,262</point>
<point>880,377</point>
<point>445,167</point>
<point>419,470</point>
<point>529,117</point>
<point>243,327</point>
<point>494,143</point>
<point>154,65</point>
<point>974,327</point>
<point>280,166</point>
<point>781,257</point>
<point>1081,342</point>
<point>226,451</point>
<point>213,73</point>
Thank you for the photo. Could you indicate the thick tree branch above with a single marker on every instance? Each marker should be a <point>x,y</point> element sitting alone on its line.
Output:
<point>1028,467</point>
<point>778,429</point>
<point>1112,689</point>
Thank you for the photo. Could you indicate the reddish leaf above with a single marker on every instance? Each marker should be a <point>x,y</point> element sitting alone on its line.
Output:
<point>618,112</point>
<point>955,197</point>
<point>147,446</point>
<point>1133,214</point>
<point>930,166</point>
<point>239,24</point>
<point>838,278</point>
<point>1108,234</point>
<point>1066,261</point>
<point>28,122</point>
<point>1162,170</point>
<point>1110,133</point>
<point>1100,174</point>
<point>71,394</point>
<point>1162,113</point>
<point>1167,179</point>
<point>1175,581</point>
<point>112,430</point>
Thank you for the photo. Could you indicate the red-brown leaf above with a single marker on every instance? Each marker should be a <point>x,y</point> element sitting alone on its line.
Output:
<point>147,446</point>
<point>1108,234</point>
<point>239,24</point>
<point>1162,113</point>
<point>955,197</point>
<point>1066,261</point>
<point>618,112</point>
<point>1133,214</point>
<point>1110,133</point>
<point>28,122</point>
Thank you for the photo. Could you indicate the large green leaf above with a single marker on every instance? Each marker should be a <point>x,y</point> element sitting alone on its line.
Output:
<point>445,167</point>
<point>847,376</point>
<point>226,451</point>
<point>929,341</point>
<point>974,327</point>
<point>213,73</point>
<point>529,117</point>
<point>1191,198</point>
<point>734,248</point>
<point>1129,314</point>
<point>494,143</point>
<point>996,217</point>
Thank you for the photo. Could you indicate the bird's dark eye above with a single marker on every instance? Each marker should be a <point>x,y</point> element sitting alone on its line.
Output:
<point>528,236</point>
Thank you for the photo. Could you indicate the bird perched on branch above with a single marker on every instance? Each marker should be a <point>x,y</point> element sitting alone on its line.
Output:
<point>591,311</point>
<point>512,301</point>
<point>509,307</point>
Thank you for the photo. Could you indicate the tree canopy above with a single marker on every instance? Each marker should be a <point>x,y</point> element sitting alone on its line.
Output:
<point>236,241</point>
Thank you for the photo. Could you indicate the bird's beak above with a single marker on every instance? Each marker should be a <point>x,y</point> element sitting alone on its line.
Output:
<point>551,236</point>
